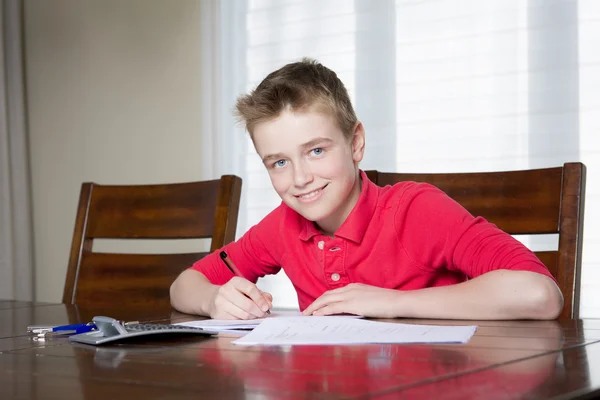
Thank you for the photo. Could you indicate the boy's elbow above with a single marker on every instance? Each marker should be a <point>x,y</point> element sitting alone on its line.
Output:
<point>174,293</point>
<point>547,300</point>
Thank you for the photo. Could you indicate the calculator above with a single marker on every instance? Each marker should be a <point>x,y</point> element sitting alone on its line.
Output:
<point>111,330</point>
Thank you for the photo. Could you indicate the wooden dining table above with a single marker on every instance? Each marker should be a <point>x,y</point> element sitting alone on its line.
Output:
<point>503,360</point>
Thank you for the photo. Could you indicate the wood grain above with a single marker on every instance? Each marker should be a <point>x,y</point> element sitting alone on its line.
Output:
<point>505,359</point>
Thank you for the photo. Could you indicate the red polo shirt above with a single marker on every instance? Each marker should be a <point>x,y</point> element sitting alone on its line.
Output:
<point>407,236</point>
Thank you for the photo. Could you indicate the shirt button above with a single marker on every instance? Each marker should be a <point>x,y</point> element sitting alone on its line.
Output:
<point>321,244</point>
<point>335,277</point>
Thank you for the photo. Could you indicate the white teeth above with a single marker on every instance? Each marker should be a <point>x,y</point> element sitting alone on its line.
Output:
<point>309,195</point>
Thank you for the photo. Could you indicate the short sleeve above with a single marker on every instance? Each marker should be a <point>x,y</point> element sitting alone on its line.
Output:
<point>438,232</point>
<point>256,254</point>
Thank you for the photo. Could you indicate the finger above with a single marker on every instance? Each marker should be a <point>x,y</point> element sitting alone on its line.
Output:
<point>220,304</point>
<point>330,309</point>
<point>236,293</point>
<point>241,306</point>
<point>222,314</point>
<point>252,291</point>
<point>269,298</point>
<point>342,289</point>
<point>311,308</point>
<point>321,302</point>
<point>315,305</point>
<point>225,306</point>
<point>224,309</point>
<point>234,312</point>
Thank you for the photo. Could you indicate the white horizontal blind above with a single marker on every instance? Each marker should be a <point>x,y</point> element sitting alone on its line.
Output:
<point>461,85</point>
<point>446,86</point>
<point>588,33</point>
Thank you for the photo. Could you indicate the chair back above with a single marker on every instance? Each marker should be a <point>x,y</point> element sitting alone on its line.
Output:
<point>195,210</point>
<point>533,202</point>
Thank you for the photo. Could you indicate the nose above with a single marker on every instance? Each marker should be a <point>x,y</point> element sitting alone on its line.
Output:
<point>302,175</point>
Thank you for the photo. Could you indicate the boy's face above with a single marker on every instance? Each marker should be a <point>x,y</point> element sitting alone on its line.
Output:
<point>312,166</point>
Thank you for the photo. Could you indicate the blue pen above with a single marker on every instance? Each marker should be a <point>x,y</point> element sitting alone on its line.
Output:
<point>62,329</point>
<point>74,328</point>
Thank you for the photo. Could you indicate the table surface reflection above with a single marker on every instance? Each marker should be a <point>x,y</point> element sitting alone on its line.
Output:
<point>505,359</point>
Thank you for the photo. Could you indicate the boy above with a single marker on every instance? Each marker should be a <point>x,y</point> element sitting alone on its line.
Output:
<point>349,246</point>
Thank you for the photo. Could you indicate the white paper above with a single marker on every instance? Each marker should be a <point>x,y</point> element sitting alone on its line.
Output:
<point>237,324</point>
<point>335,330</point>
<point>243,326</point>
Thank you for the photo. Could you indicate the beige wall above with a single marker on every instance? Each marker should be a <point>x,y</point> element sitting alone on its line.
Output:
<point>113,91</point>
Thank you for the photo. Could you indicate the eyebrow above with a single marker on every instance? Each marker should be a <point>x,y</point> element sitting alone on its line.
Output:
<point>305,146</point>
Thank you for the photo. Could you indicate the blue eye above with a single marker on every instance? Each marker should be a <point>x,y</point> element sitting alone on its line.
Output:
<point>317,151</point>
<point>280,163</point>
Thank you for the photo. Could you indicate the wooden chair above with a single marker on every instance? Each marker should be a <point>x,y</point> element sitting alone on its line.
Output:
<point>539,201</point>
<point>207,209</point>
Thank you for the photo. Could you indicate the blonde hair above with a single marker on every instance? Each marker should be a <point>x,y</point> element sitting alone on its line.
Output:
<point>298,86</point>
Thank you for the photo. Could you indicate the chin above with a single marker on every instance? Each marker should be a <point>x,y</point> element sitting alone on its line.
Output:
<point>313,215</point>
<point>313,212</point>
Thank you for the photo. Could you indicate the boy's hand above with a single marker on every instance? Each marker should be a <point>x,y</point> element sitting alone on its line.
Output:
<point>357,299</point>
<point>239,299</point>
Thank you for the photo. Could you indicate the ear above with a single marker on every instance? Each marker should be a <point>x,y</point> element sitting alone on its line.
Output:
<point>358,142</point>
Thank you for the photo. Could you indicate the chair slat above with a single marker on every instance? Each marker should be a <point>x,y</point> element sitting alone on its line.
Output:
<point>134,279</point>
<point>154,211</point>
<point>520,202</point>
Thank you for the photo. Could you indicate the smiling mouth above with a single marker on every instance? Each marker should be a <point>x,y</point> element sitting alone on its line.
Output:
<point>312,194</point>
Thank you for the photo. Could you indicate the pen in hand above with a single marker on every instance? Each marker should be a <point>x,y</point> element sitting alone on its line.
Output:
<point>231,266</point>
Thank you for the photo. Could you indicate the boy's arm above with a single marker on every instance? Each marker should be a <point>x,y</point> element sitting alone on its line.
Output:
<point>192,293</point>
<point>499,294</point>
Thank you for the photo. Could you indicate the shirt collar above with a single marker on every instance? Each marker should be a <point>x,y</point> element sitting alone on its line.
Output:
<point>357,221</point>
